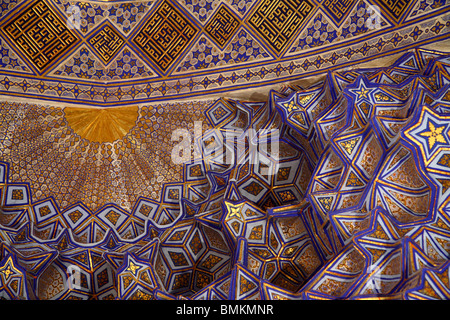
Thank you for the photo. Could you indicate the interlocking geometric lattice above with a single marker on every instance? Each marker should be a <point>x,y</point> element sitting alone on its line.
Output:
<point>338,9</point>
<point>278,21</point>
<point>396,8</point>
<point>106,42</point>
<point>353,205</point>
<point>222,26</point>
<point>165,35</point>
<point>40,34</point>
<point>336,187</point>
<point>134,52</point>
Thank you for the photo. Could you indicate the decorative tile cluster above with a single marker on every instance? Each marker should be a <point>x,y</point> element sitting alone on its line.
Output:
<point>192,47</point>
<point>123,15</point>
<point>320,30</point>
<point>165,35</point>
<point>353,204</point>
<point>278,21</point>
<point>9,60</point>
<point>40,34</point>
<point>106,42</point>
<point>85,65</point>
<point>7,5</point>
<point>206,54</point>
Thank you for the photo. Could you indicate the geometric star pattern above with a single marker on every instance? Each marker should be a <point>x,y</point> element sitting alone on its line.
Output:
<point>121,52</point>
<point>354,203</point>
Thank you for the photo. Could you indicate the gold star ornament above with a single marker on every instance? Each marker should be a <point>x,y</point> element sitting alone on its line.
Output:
<point>434,134</point>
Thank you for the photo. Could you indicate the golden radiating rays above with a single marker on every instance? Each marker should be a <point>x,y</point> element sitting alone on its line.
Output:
<point>101,124</point>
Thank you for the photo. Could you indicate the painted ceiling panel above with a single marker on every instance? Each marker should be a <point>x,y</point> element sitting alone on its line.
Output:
<point>127,171</point>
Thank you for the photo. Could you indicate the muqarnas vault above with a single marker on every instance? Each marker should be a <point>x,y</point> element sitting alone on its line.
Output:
<point>357,206</point>
<point>352,203</point>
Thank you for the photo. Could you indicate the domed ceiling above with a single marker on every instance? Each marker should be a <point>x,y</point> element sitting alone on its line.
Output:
<point>236,149</point>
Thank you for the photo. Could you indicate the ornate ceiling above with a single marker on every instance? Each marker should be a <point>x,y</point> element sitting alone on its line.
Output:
<point>336,188</point>
<point>115,53</point>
